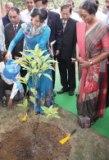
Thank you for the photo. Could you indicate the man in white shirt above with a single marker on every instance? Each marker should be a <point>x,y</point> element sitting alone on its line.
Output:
<point>2,39</point>
<point>9,79</point>
<point>99,14</point>
<point>74,14</point>
<point>3,22</point>
<point>25,14</point>
<point>106,11</point>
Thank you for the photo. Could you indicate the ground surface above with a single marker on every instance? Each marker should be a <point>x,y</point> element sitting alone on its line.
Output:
<point>30,141</point>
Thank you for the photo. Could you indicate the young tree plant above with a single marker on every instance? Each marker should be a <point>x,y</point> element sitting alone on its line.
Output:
<point>35,63</point>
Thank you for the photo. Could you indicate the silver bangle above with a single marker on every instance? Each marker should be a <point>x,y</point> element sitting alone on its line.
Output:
<point>90,62</point>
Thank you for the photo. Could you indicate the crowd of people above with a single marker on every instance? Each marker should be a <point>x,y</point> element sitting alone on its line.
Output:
<point>80,36</point>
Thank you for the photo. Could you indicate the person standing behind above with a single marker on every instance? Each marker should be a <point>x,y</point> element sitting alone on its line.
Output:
<point>106,11</point>
<point>99,14</point>
<point>55,24</point>
<point>67,51</point>
<point>11,29</point>
<point>26,14</point>
<point>5,19</point>
<point>2,40</point>
<point>3,22</point>
<point>74,14</point>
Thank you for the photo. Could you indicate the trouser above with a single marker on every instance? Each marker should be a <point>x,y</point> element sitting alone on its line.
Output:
<point>23,73</point>
<point>53,78</point>
<point>67,74</point>
<point>3,87</point>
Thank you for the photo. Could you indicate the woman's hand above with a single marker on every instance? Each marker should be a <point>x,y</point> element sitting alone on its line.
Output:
<point>8,55</point>
<point>80,60</point>
<point>85,64</point>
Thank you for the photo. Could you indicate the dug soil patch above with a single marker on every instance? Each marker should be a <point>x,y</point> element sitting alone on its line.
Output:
<point>33,141</point>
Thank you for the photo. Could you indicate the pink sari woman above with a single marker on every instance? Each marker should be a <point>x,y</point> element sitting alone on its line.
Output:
<point>93,83</point>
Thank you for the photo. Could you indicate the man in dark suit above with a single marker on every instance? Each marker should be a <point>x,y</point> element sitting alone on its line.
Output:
<point>11,29</point>
<point>67,52</point>
<point>55,24</point>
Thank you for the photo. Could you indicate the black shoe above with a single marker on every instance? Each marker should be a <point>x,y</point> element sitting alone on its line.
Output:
<point>38,112</point>
<point>71,93</point>
<point>3,102</point>
<point>63,90</point>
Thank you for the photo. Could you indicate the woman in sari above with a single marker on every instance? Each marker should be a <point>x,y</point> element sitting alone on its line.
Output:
<point>93,50</point>
<point>36,33</point>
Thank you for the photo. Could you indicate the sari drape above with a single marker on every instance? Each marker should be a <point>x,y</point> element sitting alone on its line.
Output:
<point>93,83</point>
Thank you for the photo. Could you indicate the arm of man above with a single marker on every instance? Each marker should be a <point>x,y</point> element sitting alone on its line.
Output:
<point>17,86</point>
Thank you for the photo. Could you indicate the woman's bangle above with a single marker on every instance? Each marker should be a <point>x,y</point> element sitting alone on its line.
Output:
<point>91,63</point>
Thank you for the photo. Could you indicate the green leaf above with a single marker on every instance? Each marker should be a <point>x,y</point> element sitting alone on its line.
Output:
<point>20,105</point>
<point>50,112</point>
<point>24,104</point>
<point>23,80</point>
<point>32,99</point>
<point>33,90</point>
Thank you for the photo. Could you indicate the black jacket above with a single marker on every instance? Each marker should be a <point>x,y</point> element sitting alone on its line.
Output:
<point>9,35</point>
<point>5,20</point>
<point>68,46</point>
<point>55,24</point>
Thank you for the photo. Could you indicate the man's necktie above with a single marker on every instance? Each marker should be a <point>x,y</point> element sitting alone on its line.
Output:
<point>64,25</point>
<point>15,28</point>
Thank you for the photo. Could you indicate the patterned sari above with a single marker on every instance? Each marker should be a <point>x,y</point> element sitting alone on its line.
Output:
<point>93,83</point>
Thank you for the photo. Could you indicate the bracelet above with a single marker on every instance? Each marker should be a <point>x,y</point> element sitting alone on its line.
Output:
<point>91,63</point>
